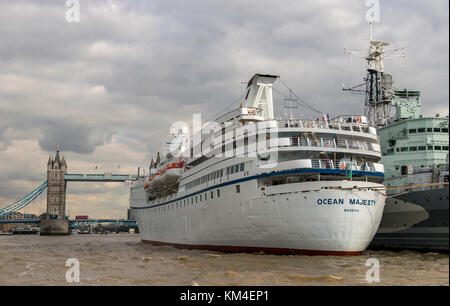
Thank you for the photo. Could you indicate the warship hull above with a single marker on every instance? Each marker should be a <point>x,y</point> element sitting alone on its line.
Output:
<point>415,220</point>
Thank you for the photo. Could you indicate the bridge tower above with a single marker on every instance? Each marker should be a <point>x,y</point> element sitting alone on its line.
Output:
<point>54,221</point>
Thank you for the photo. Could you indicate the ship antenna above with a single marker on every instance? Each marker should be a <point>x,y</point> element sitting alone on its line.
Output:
<point>378,84</point>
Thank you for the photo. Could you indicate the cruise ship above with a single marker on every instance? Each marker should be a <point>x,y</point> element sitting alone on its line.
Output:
<point>253,182</point>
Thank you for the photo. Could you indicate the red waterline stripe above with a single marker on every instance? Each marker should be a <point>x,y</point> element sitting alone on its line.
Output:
<point>244,249</point>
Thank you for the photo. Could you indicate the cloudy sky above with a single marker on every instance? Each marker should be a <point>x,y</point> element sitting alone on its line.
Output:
<point>107,88</point>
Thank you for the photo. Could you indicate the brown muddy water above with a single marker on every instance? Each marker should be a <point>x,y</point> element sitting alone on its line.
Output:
<point>124,260</point>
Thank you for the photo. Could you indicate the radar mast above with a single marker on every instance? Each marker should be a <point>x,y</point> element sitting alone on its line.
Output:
<point>378,84</point>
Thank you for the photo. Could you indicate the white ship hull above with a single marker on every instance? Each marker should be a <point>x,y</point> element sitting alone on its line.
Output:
<point>288,219</point>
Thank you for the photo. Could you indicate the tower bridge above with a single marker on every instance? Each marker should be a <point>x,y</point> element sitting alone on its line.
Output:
<point>54,220</point>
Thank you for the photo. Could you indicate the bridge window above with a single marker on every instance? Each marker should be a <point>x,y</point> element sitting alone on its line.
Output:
<point>218,193</point>
<point>238,188</point>
<point>206,196</point>
<point>422,130</point>
<point>445,148</point>
<point>404,149</point>
<point>429,130</point>
<point>412,131</point>
<point>445,130</point>
<point>430,148</point>
<point>437,130</point>
<point>437,148</point>
<point>423,148</point>
<point>201,197</point>
<point>212,195</point>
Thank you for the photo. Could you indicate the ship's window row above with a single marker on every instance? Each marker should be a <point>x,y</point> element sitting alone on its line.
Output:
<point>423,148</point>
<point>190,201</point>
<point>215,175</point>
<point>235,168</point>
<point>420,148</point>
<point>206,178</point>
<point>428,130</point>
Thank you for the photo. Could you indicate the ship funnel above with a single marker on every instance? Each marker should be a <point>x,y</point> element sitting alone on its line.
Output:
<point>259,94</point>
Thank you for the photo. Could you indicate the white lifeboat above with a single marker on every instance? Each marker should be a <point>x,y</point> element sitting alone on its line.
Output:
<point>173,172</point>
<point>156,179</point>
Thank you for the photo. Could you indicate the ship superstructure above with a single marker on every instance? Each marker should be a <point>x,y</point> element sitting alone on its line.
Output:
<point>249,181</point>
<point>415,152</point>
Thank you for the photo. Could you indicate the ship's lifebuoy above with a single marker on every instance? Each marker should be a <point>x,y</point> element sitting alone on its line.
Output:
<point>358,119</point>
<point>342,166</point>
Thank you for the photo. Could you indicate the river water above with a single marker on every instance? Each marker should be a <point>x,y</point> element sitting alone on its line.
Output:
<point>124,260</point>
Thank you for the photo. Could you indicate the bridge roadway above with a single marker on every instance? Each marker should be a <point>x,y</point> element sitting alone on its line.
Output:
<point>105,177</point>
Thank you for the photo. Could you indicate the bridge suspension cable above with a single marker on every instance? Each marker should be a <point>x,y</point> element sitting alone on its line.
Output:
<point>23,202</point>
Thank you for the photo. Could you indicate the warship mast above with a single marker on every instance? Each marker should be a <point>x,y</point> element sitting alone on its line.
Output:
<point>378,84</point>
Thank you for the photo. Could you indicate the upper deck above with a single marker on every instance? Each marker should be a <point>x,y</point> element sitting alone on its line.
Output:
<point>344,136</point>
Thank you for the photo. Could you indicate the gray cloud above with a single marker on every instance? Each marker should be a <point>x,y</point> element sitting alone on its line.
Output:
<point>76,137</point>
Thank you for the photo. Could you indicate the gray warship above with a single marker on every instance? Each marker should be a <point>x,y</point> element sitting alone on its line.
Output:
<point>415,154</point>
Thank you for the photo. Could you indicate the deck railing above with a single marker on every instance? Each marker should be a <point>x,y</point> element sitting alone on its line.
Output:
<point>343,165</point>
<point>333,143</point>
<point>320,124</point>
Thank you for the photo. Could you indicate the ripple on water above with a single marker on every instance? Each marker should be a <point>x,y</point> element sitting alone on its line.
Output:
<point>302,277</point>
<point>187,259</point>
<point>212,255</point>
<point>230,273</point>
